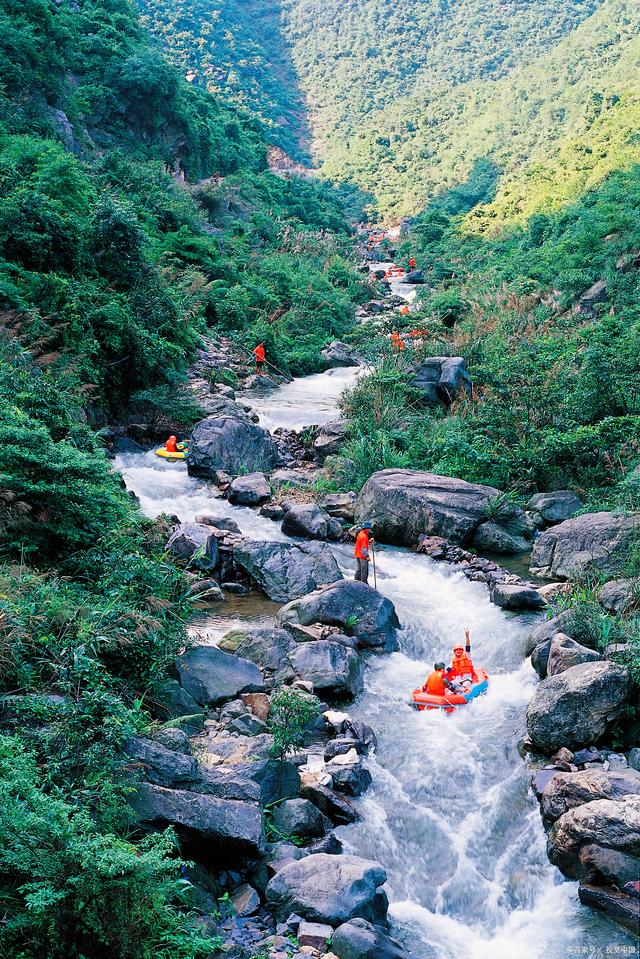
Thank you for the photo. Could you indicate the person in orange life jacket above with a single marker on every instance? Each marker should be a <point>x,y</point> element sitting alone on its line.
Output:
<point>437,683</point>
<point>461,669</point>
<point>412,263</point>
<point>260,356</point>
<point>364,540</point>
<point>171,445</point>
<point>397,342</point>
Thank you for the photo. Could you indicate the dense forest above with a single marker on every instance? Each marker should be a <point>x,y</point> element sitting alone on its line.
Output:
<point>137,212</point>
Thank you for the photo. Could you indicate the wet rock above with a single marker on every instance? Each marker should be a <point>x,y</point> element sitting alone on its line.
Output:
<point>403,504</point>
<point>218,522</point>
<point>599,842</point>
<point>516,597</point>
<point>540,780</point>
<point>550,508</point>
<point>297,817</point>
<point>212,676</point>
<point>566,790</point>
<point>195,545</point>
<point>540,657</point>
<point>330,438</point>
<point>576,707</point>
<point>249,490</point>
<point>354,607</point>
<point>160,765</point>
<point>245,901</point>
<point>359,939</point>
<point>590,755</point>
<point>171,701</point>
<point>442,379</point>
<point>309,521</point>
<point>338,808</point>
<point>338,354</point>
<point>231,444</point>
<point>564,653</point>
<point>332,889</point>
<point>263,645</point>
<point>206,591</point>
<point>340,747</point>
<point>594,541</point>
<point>352,778</point>
<point>616,904</point>
<point>287,571</point>
<point>333,669</point>
<point>618,595</point>
<point>273,511</point>
<point>217,825</point>
<point>340,505</point>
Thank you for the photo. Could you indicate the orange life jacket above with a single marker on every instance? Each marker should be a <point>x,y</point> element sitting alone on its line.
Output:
<point>362,545</point>
<point>461,665</point>
<point>259,354</point>
<point>171,445</point>
<point>435,683</point>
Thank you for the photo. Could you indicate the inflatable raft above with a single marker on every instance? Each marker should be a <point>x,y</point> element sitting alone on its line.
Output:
<point>451,701</point>
<point>166,455</point>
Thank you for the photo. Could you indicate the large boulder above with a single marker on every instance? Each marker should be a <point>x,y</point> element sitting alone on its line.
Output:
<point>491,537</point>
<point>331,889</point>
<point>212,676</point>
<point>340,354</point>
<point>309,521</point>
<point>195,545</point>
<point>599,841</point>
<point>413,277</point>
<point>285,571</point>
<point>594,541</point>
<point>162,766</point>
<point>564,653</point>
<point>340,505</point>
<point>297,817</point>
<point>230,444</point>
<point>565,791</point>
<point>516,596</point>
<point>442,379</point>
<point>351,605</point>
<point>249,490</point>
<point>334,669</point>
<point>617,904</point>
<point>216,825</point>
<point>330,437</point>
<point>359,939</point>
<point>403,504</point>
<point>547,630</point>
<point>171,701</point>
<point>576,707</point>
<point>619,595</point>
<point>547,509</point>
<point>265,646</point>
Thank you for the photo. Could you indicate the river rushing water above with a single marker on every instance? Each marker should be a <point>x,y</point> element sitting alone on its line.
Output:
<point>450,814</point>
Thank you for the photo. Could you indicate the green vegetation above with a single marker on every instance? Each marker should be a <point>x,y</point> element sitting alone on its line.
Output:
<point>289,715</point>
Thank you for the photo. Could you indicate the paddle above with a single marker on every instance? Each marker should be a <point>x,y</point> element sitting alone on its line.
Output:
<point>373,557</point>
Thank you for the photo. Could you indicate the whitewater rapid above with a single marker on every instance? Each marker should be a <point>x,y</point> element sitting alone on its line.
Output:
<point>450,814</point>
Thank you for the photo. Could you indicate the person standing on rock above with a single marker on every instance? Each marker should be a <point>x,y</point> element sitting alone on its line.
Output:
<point>412,263</point>
<point>364,540</point>
<point>260,356</point>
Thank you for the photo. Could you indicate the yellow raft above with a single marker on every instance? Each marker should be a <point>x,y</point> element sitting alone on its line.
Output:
<point>166,455</point>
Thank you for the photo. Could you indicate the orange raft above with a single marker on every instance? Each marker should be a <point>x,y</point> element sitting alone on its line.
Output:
<point>451,701</point>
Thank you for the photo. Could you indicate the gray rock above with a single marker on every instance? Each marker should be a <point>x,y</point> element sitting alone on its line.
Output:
<point>413,277</point>
<point>231,444</point>
<point>599,841</point>
<point>308,520</point>
<point>350,605</point>
<point>298,478</point>
<point>330,437</point>
<point>247,725</point>
<point>173,738</point>
<point>616,904</point>
<point>555,507</point>
<point>245,900</point>
<point>249,490</point>
<point>338,808</point>
<point>218,522</point>
<point>277,780</point>
<point>339,354</point>
<point>195,545</point>
<point>540,657</point>
<point>228,782</point>
<point>341,746</point>
<point>547,630</point>
<point>492,538</point>
<point>206,591</point>
<point>566,790</point>
<point>352,779</point>
<point>340,505</point>
<point>286,571</point>
<point>217,825</point>
<point>171,701</point>
<point>314,934</point>
<point>594,541</point>
<point>333,889</point>
<point>516,597</point>
<point>634,758</point>
<point>212,676</point>
<point>162,766</point>
<point>333,669</point>
<point>403,504</point>
<point>564,652</point>
<point>617,595</point>
<point>587,303</point>
<point>297,817</point>
<point>262,645</point>
<point>578,706</point>
<point>359,939</point>
<point>442,379</point>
